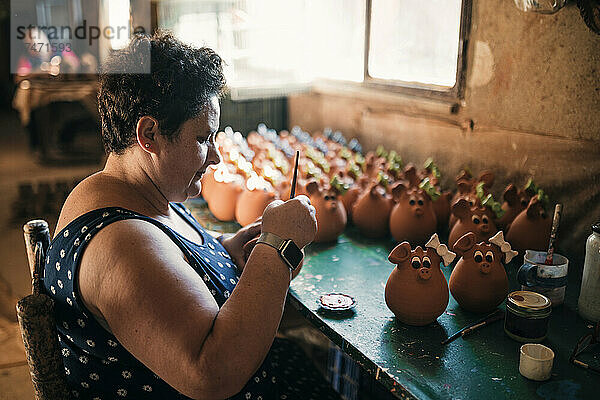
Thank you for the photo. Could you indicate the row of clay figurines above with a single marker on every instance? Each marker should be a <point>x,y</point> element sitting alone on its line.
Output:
<point>417,292</point>
<point>407,203</point>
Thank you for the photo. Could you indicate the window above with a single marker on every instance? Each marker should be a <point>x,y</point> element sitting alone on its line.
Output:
<point>274,47</point>
<point>414,41</point>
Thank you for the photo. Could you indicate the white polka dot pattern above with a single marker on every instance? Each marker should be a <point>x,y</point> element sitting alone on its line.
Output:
<point>94,361</point>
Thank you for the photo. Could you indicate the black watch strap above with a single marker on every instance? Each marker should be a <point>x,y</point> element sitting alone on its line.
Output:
<point>286,248</point>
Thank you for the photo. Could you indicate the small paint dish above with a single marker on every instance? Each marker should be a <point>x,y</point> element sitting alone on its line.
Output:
<point>336,302</point>
<point>535,361</point>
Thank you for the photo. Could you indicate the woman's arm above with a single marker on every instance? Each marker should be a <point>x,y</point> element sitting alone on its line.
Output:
<point>158,307</point>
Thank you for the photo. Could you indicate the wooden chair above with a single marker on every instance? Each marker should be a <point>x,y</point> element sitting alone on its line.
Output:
<point>36,321</point>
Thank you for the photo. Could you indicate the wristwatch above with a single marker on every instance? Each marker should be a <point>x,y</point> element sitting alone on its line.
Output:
<point>287,249</point>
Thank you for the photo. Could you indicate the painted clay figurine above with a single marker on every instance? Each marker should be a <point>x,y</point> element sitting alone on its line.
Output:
<point>253,200</point>
<point>467,189</point>
<point>441,201</point>
<point>371,212</point>
<point>207,181</point>
<point>530,230</point>
<point>412,218</point>
<point>416,290</point>
<point>224,192</point>
<point>479,282</point>
<point>476,219</point>
<point>515,201</point>
<point>330,212</point>
<point>351,196</point>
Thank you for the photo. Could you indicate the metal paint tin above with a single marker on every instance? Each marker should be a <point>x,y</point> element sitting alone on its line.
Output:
<point>527,316</point>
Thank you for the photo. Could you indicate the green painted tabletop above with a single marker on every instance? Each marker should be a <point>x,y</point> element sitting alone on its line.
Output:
<point>410,361</point>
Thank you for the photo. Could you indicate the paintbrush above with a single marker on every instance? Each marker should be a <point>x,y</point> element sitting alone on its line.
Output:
<point>495,316</point>
<point>293,190</point>
<point>555,222</point>
<point>252,242</point>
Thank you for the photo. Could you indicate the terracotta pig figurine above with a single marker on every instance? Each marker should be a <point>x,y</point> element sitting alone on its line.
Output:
<point>476,219</point>
<point>531,228</point>
<point>331,214</point>
<point>371,212</point>
<point>466,189</point>
<point>515,201</point>
<point>413,218</point>
<point>479,282</point>
<point>416,290</point>
<point>252,202</point>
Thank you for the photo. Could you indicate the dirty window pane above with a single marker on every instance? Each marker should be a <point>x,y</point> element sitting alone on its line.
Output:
<point>415,40</point>
<point>273,42</point>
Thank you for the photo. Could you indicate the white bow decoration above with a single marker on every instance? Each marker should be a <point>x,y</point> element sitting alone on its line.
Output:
<point>498,240</point>
<point>441,249</point>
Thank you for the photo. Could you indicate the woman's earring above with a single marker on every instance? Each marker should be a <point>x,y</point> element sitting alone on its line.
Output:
<point>147,145</point>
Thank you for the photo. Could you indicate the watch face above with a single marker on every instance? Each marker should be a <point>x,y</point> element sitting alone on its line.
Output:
<point>292,254</point>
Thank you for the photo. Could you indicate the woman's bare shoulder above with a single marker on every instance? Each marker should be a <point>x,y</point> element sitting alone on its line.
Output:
<point>94,192</point>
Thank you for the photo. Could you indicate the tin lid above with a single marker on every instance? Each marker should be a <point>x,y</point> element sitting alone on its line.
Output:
<point>528,301</point>
<point>336,302</point>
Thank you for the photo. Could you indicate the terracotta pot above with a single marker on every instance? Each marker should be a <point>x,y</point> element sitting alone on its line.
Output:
<point>371,212</point>
<point>412,218</point>
<point>476,219</point>
<point>251,204</point>
<point>478,282</point>
<point>530,230</point>
<point>416,290</point>
<point>515,201</point>
<point>330,212</point>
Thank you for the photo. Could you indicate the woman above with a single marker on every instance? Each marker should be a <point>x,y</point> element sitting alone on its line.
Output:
<point>148,304</point>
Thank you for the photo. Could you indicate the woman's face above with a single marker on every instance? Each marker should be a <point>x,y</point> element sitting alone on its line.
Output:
<point>185,159</point>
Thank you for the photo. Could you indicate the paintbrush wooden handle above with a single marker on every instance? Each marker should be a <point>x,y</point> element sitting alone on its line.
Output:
<point>555,222</point>
<point>293,190</point>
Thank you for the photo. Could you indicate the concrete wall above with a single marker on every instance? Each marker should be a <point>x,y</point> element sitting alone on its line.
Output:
<point>531,108</point>
<point>532,72</point>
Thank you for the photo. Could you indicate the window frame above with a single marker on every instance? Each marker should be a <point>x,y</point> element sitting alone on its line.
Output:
<point>423,90</point>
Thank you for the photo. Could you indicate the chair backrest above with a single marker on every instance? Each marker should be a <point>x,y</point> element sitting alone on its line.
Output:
<point>36,321</point>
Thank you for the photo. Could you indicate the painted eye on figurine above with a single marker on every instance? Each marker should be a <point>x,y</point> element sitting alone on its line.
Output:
<point>524,203</point>
<point>416,262</point>
<point>412,202</point>
<point>489,257</point>
<point>475,219</point>
<point>478,256</point>
<point>484,219</point>
<point>471,203</point>
<point>426,262</point>
<point>420,202</point>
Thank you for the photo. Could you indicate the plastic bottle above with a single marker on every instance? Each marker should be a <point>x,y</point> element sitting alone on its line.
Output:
<point>589,297</point>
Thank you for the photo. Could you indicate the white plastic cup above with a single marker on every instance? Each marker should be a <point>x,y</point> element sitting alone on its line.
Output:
<point>536,361</point>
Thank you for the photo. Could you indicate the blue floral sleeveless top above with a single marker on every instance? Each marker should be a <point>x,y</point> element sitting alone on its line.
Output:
<point>96,365</point>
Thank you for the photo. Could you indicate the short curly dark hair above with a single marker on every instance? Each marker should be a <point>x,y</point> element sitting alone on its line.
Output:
<point>181,81</point>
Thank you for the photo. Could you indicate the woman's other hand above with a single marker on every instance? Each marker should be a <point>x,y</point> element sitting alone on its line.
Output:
<point>234,244</point>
